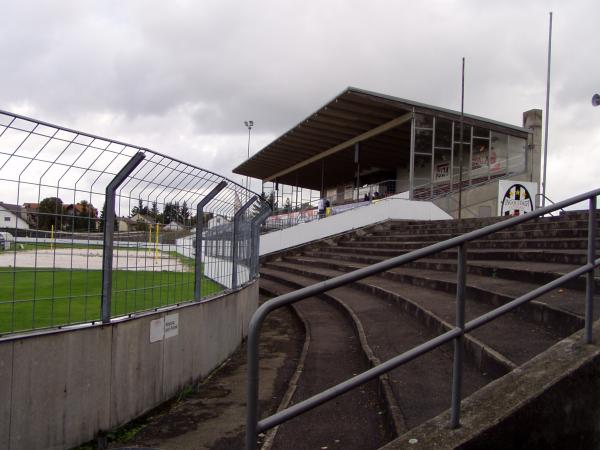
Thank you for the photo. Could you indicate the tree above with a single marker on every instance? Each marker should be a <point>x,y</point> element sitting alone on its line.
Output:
<point>170,213</point>
<point>184,212</point>
<point>154,211</point>
<point>140,208</point>
<point>257,206</point>
<point>82,221</point>
<point>49,213</point>
<point>102,218</point>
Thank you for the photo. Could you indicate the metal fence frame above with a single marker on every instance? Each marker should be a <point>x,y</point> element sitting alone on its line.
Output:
<point>38,158</point>
<point>254,426</point>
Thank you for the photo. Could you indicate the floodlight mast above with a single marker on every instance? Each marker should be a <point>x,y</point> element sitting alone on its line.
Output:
<point>547,112</point>
<point>249,124</point>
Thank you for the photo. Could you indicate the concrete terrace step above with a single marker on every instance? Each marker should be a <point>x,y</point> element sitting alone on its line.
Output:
<point>442,305</point>
<point>535,272</point>
<point>453,226</point>
<point>334,354</point>
<point>562,309</point>
<point>435,236</point>
<point>558,243</point>
<point>421,387</point>
<point>578,257</point>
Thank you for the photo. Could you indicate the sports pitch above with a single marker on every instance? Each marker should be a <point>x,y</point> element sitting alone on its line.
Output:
<point>63,286</point>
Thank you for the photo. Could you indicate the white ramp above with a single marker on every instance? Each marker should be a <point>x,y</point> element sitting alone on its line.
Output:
<point>393,207</point>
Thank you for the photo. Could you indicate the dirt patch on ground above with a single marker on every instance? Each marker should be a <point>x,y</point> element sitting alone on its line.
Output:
<point>91,259</point>
<point>212,415</point>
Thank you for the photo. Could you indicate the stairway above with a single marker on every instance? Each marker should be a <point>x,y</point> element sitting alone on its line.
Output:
<point>409,305</point>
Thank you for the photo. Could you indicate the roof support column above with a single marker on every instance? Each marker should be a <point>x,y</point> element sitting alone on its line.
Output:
<point>322,178</point>
<point>357,164</point>
<point>411,169</point>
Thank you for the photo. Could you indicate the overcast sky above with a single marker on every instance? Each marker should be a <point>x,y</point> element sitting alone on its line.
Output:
<point>180,77</point>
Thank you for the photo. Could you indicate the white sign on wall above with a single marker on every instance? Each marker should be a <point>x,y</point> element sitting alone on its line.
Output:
<point>157,330</point>
<point>516,197</point>
<point>171,325</point>
<point>164,328</point>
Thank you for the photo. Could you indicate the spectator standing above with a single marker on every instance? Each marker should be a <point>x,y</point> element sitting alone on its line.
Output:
<point>321,208</point>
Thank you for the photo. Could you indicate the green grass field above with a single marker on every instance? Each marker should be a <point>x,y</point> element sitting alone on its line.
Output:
<point>31,299</point>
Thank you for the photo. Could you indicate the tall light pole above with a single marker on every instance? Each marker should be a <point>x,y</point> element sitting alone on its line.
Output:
<point>547,112</point>
<point>249,124</point>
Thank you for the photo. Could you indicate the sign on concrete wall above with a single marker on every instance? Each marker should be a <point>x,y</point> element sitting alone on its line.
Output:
<point>164,328</point>
<point>171,325</point>
<point>516,197</point>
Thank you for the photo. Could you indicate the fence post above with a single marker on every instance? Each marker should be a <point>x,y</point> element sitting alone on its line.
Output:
<point>236,220</point>
<point>457,368</point>
<point>255,232</point>
<point>109,229</point>
<point>199,229</point>
<point>591,257</point>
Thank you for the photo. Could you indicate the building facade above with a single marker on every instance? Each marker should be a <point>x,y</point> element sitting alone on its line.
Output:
<point>363,144</point>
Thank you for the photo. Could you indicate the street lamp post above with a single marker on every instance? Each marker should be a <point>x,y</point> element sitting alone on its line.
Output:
<point>249,124</point>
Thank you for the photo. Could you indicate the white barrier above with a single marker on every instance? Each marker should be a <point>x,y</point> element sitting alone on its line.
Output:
<point>395,207</point>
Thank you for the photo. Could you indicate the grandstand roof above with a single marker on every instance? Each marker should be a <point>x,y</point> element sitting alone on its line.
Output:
<point>381,123</point>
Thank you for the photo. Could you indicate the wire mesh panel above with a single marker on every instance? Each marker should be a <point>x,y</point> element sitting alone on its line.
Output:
<point>64,253</point>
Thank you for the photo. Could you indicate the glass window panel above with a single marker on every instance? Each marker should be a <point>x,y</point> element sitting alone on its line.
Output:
<point>423,121</point>
<point>441,171</point>
<point>443,133</point>
<point>422,171</point>
<point>465,163</point>
<point>516,154</point>
<point>479,160</point>
<point>423,140</point>
<point>481,132</point>
<point>466,132</point>
<point>498,154</point>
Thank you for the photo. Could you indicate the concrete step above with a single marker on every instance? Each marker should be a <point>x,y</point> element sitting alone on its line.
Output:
<point>561,309</point>
<point>434,236</point>
<point>442,305</point>
<point>578,257</point>
<point>453,226</point>
<point>422,387</point>
<point>535,272</point>
<point>548,243</point>
<point>334,355</point>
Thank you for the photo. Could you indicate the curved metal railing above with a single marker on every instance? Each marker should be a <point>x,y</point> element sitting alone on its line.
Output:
<point>254,426</point>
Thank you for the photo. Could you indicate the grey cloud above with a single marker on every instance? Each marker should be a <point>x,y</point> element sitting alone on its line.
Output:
<point>185,75</point>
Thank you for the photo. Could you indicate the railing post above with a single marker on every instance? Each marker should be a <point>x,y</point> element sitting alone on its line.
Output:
<point>109,230</point>
<point>236,225</point>
<point>591,257</point>
<point>253,380</point>
<point>457,368</point>
<point>199,229</point>
<point>255,232</point>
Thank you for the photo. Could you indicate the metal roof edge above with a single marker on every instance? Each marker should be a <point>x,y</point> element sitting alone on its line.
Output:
<point>436,108</point>
<point>386,97</point>
<point>292,128</point>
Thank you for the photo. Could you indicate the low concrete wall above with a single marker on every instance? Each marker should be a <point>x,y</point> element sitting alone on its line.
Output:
<point>551,402</point>
<point>394,207</point>
<point>59,389</point>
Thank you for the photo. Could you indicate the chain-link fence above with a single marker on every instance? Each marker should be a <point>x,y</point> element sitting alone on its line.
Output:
<point>92,228</point>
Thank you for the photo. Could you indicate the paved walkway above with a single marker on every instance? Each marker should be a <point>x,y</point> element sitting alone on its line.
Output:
<point>212,416</point>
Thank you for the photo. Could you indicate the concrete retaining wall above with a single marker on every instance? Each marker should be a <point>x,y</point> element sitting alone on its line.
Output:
<point>550,402</point>
<point>394,207</point>
<point>59,389</point>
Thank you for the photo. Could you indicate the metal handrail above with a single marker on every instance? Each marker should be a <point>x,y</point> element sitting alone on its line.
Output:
<point>253,426</point>
<point>547,198</point>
